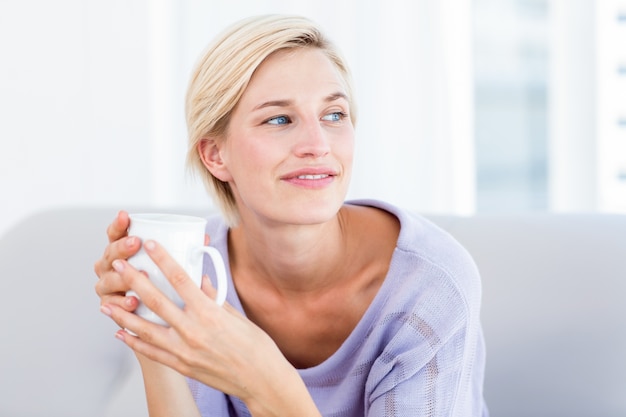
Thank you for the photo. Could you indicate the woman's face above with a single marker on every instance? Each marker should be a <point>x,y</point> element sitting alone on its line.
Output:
<point>288,153</point>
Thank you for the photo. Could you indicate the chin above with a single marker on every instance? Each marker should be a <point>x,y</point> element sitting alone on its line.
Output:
<point>311,211</point>
<point>309,208</point>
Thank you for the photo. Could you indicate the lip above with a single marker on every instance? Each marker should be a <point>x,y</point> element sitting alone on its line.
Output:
<point>311,177</point>
<point>314,171</point>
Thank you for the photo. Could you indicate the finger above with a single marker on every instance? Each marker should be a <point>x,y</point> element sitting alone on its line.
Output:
<point>111,283</point>
<point>122,248</point>
<point>151,351</point>
<point>142,328</point>
<point>112,289</point>
<point>176,275</point>
<point>154,341</point>
<point>127,302</point>
<point>149,294</point>
<point>119,227</point>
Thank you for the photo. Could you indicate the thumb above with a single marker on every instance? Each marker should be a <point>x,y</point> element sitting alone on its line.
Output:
<point>207,288</point>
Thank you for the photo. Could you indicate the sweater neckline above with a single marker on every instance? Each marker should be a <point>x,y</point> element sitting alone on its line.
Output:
<point>353,342</point>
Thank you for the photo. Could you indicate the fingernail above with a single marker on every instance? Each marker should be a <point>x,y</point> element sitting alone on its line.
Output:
<point>118,265</point>
<point>130,242</point>
<point>150,245</point>
<point>120,335</point>
<point>106,311</point>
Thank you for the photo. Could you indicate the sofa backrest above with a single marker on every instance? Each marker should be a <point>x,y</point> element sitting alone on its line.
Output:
<point>58,356</point>
<point>554,315</point>
<point>554,311</point>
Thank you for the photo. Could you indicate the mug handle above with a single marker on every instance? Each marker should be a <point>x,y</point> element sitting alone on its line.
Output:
<point>220,270</point>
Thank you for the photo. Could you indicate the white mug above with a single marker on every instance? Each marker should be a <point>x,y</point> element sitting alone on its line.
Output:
<point>183,238</point>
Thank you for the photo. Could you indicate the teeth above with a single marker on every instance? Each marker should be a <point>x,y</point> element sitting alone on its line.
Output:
<point>312,177</point>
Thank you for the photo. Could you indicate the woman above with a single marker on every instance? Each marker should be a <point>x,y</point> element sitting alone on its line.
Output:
<point>335,308</point>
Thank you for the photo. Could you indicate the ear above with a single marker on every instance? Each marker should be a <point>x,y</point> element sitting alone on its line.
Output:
<point>211,156</point>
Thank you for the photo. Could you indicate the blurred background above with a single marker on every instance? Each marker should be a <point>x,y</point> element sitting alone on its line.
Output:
<point>465,106</point>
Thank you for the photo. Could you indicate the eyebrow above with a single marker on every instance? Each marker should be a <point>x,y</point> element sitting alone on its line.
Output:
<point>285,103</point>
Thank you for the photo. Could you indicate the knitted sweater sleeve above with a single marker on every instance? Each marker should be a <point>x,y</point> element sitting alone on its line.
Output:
<point>433,361</point>
<point>438,388</point>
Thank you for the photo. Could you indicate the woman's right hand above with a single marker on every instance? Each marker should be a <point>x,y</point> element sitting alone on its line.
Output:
<point>110,286</point>
<point>168,394</point>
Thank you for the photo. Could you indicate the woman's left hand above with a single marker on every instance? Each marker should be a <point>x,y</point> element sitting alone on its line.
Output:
<point>215,345</point>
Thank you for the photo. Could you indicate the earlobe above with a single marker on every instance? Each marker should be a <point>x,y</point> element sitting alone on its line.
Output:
<point>211,157</point>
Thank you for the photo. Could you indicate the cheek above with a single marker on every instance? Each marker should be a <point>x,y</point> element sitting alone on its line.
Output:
<point>248,160</point>
<point>345,149</point>
<point>254,159</point>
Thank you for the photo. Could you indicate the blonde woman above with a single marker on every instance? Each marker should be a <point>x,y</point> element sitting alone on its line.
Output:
<point>336,308</point>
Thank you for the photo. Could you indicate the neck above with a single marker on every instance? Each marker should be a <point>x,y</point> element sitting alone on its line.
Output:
<point>291,258</point>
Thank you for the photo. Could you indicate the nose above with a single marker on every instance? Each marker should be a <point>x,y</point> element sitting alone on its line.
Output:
<point>313,140</point>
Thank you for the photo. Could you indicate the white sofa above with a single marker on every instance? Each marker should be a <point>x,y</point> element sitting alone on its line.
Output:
<point>554,314</point>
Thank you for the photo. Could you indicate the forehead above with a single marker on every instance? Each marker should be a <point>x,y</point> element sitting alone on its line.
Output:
<point>299,68</point>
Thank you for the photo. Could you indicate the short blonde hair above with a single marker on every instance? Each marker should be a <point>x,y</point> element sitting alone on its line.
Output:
<point>222,75</point>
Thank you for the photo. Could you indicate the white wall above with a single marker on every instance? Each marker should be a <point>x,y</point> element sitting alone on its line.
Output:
<point>91,99</point>
<point>610,111</point>
<point>75,100</point>
<point>573,170</point>
<point>588,106</point>
<point>74,104</point>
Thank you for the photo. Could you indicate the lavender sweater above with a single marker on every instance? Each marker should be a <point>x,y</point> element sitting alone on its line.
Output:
<point>418,349</point>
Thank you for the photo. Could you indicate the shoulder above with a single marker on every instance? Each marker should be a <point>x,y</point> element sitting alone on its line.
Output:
<point>421,239</point>
<point>426,255</point>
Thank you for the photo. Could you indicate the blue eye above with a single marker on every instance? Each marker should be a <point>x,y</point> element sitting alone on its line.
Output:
<point>334,117</point>
<point>278,120</point>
